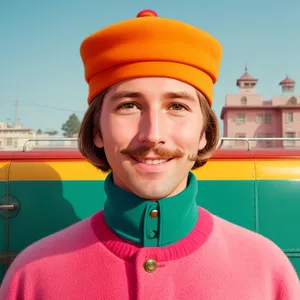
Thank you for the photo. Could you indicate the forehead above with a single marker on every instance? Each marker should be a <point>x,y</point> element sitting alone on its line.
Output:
<point>152,87</point>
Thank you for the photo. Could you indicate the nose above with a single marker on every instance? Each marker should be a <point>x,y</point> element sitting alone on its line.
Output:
<point>152,128</point>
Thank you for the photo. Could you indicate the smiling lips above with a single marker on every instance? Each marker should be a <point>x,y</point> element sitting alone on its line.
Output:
<point>151,161</point>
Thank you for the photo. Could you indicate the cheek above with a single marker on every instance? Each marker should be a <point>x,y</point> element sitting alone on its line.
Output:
<point>187,133</point>
<point>117,133</point>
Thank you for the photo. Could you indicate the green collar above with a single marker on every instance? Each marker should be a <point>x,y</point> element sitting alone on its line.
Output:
<point>129,216</point>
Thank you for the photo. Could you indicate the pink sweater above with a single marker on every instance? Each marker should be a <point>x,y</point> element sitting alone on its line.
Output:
<point>216,261</point>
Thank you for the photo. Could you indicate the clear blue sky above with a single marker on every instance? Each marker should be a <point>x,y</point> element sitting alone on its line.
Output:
<point>39,49</point>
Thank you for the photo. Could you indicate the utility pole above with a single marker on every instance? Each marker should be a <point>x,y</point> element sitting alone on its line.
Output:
<point>16,114</point>
<point>8,122</point>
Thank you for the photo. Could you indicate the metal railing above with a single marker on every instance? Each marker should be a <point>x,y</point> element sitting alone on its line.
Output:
<point>47,140</point>
<point>248,140</point>
<point>222,140</point>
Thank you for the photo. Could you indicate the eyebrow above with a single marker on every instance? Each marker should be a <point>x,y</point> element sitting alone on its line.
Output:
<point>136,95</point>
<point>180,95</point>
<point>125,94</point>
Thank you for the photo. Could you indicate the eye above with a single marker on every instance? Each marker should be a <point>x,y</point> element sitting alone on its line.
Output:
<point>127,106</point>
<point>177,106</point>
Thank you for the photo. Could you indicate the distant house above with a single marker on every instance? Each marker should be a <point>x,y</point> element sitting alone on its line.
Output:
<point>247,115</point>
<point>13,138</point>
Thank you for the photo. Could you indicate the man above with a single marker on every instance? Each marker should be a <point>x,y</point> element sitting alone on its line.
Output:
<point>150,121</point>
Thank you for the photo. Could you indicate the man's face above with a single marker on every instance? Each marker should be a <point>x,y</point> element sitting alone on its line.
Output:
<point>151,127</point>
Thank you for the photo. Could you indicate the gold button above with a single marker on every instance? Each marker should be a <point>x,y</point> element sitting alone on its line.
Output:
<point>154,213</point>
<point>150,265</point>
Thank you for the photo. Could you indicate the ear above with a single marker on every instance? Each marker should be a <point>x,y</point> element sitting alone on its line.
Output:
<point>202,142</point>
<point>97,138</point>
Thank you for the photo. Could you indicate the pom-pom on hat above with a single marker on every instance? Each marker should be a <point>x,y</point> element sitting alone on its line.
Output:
<point>151,46</point>
<point>147,13</point>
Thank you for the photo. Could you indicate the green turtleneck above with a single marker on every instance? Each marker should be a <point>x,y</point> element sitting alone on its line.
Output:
<point>136,219</point>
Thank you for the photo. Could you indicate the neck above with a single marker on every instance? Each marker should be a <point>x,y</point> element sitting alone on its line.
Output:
<point>151,224</point>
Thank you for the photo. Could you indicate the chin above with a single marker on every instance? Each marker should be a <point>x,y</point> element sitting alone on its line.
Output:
<point>154,190</point>
<point>152,185</point>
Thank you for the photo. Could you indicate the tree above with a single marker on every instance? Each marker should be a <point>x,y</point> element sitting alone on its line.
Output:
<point>39,131</point>
<point>53,132</point>
<point>71,126</point>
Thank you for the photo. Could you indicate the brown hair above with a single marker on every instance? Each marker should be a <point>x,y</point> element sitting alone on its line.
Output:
<point>97,157</point>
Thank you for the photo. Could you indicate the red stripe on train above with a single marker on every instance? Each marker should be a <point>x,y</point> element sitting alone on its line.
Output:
<point>74,155</point>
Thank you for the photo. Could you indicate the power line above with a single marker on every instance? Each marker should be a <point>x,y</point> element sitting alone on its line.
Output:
<point>45,106</point>
<point>53,107</point>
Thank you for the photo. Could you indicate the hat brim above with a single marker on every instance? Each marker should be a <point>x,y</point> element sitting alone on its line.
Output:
<point>182,72</point>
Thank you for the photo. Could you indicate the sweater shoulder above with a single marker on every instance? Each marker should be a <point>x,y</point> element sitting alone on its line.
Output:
<point>243,237</point>
<point>63,243</point>
<point>258,256</point>
<point>250,245</point>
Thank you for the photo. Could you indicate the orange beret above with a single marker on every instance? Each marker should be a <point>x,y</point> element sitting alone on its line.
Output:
<point>151,46</point>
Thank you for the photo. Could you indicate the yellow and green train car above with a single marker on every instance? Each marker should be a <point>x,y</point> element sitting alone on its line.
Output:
<point>42,192</point>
